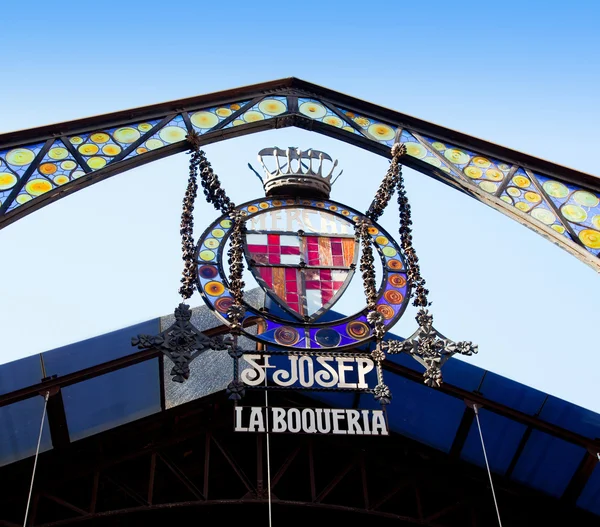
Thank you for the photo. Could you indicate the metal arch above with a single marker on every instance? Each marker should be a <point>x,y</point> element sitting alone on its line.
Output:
<point>341,120</point>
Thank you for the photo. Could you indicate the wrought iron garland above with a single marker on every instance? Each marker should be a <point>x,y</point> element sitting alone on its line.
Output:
<point>182,342</point>
<point>426,345</point>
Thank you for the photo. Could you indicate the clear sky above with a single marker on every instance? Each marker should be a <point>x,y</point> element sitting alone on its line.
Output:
<point>523,74</point>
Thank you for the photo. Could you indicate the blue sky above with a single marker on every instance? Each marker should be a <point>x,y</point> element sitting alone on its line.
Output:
<point>522,74</point>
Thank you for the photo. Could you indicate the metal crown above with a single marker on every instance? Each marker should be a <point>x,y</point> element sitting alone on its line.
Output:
<point>295,172</point>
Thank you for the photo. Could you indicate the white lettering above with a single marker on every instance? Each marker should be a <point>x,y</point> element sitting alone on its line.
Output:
<point>279,423</point>
<point>285,378</point>
<point>322,376</point>
<point>379,423</point>
<point>294,421</point>
<point>238,419</point>
<point>364,366</point>
<point>307,379</point>
<point>342,369</point>
<point>308,421</point>
<point>353,426</point>
<point>256,420</point>
<point>323,420</point>
<point>337,414</point>
<point>365,414</point>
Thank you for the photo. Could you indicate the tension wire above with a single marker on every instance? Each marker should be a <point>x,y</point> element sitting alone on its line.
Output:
<point>487,464</point>
<point>37,452</point>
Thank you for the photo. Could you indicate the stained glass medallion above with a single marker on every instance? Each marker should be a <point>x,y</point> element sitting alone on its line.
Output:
<point>304,272</point>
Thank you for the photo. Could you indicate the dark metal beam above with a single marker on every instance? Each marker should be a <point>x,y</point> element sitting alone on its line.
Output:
<point>236,468</point>
<point>285,465</point>
<point>463,432</point>
<point>57,420</point>
<point>180,475</point>
<point>581,476</point>
<point>64,503</point>
<point>334,482</point>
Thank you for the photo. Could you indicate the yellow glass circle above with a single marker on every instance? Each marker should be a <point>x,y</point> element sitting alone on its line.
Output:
<point>457,156</point>
<point>218,233</point>
<point>587,199</point>
<point>61,180</point>
<point>47,168</point>
<point>211,243</point>
<point>88,150</point>
<point>558,228</point>
<point>389,251</point>
<point>433,161</point>
<point>153,144</point>
<point>493,174</point>
<point>237,122</point>
<point>416,150</point>
<point>263,205</point>
<point>223,112</point>
<point>481,162</point>
<point>76,140</point>
<point>590,238</point>
<point>473,172</point>
<point>271,107</point>
<point>504,167</point>
<point>573,213</point>
<point>543,215</point>
<point>23,198</point>
<point>214,288</point>
<point>172,134</point>
<point>144,127</point>
<point>314,110</point>
<point>226,224</point>
<point>7,180</point>
<point>514,192</point>
<point>111,150</point>
<point>556,189</point>
<point>141,150</point>
<point>488,186</point>
<point>235,107</point>
<point>20,157</point>
<point>277,203</point>
<point>438,146</point>
<point>96,162</point>
<point>532,197</point>
<point>373,230</point>
<point>252,209</point>
<point>100,138</point>
<point>126,135</point>
<point>348,129</point>
<point>362,121</point>
<point>78,173</point>
<point>382,240</point>
<point>334,121</point>
<point>382,132</point>
<point>253,116</point>
<point>596,221</point>
<point>524,207</point>
<point>37,187</point>
<point>207,256</point>
<point>68,165</point>
<point>506,199</point>
<point>58,153</point>
<point>521,181</point>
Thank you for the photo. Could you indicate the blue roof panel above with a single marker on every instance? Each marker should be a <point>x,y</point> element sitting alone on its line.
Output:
<point>511,393</point>
<point>572,417</point>
<point>20,428</point>
<point>112,399</point>
<point>501,436</point>
<point>590,496</point>
<point>20,374</point>
<point>548,463</point>
<point>97,350</point>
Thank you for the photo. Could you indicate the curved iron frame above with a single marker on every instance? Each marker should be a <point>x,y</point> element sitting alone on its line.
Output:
<point>292,88</point>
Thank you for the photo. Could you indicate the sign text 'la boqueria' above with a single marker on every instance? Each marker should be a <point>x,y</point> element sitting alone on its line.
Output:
<point>307,371</point>
<point>310,420</point>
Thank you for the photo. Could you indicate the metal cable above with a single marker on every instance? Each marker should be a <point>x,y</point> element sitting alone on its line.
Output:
<point>487,464</point>
<point>37,452</point>
<point>268,453</point>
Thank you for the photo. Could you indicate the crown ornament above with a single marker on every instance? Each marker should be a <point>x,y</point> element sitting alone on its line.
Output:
<point>294,172</point>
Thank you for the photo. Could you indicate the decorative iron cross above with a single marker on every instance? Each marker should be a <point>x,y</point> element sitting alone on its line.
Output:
<point>181,342</point>
<point>429,347</point>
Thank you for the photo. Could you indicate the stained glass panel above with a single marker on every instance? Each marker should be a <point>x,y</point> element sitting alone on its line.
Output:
<point>372,128</point>
<point>265,109</point>
<point>317,111</point>
<point>173,132</point>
